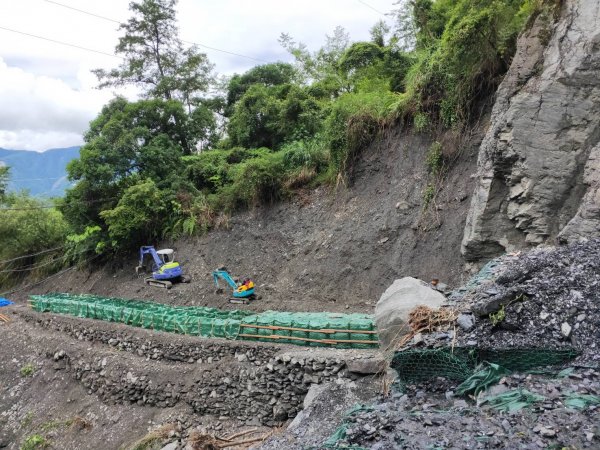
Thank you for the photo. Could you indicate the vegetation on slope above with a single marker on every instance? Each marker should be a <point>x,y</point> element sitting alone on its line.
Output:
<point>179,160</point>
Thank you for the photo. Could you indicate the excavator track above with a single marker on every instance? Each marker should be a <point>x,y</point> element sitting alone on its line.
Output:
<point>158,283</point>
<point>242,300</point>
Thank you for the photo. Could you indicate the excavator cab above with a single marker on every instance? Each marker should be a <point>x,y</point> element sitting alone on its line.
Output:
<point>167,255</point>
<point>165,270</point>
<point>242,292</point>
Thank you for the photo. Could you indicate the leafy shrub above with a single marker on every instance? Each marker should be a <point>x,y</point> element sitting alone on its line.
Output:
<point>208,170</point>
<point>435,159</point>
<point>35,441</point>
<point>428,195</point>
<point>309,153</point>
<point>91,241</point>
<point>254,181</point>
<point>354,120</point>
<point>463,48</point>
<point>192,214</point>
<point>138,218</point>
<point>29,226</point>
<point>421,121</point>
<point>27,370</point>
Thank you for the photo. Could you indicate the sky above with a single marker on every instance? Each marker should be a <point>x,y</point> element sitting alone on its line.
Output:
<point>48,94</point>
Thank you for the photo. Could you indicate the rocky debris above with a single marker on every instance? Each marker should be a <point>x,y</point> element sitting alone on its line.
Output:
<point>267,394</point>
<point>393,308</point>
<point>538,165</point>
<point>428,416</point>
<point>547,298</point>
<point>366,366</point>
<point>465,321</point>
<point>319,419</point>
<point>151,345</point>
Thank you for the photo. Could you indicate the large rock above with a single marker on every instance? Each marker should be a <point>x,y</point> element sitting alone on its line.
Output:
<point>392,309</point>
<point>539,164</point>
<point>367,366</point>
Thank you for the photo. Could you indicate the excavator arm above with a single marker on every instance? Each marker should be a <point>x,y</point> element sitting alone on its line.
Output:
<point>149,250</point>
<point>241,294</point>
<point>225,276</point>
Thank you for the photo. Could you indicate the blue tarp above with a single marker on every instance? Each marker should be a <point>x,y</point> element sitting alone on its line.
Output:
<point>5,302</point>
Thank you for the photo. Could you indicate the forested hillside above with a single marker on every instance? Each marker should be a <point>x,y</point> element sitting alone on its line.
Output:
<point>197,147</point>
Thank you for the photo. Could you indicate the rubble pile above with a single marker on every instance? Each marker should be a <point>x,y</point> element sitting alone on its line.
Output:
<point>547,298</point>
<point>423,418</point>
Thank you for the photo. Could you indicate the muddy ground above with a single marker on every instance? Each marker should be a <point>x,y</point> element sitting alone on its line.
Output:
<point>324,250</point>
<point>327,249</point>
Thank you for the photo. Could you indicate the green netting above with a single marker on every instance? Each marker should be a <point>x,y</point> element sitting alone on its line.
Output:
<point>581,401</point>
<point>336,440</point>
<point>421,365</point>
<point>487,272</point>
<point>460,363</point>
<point>513,400</point>
<point>313,329</point>
<point>485,376</point>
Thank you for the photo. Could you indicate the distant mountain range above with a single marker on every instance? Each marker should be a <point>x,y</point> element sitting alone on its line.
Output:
<point>43,174</point>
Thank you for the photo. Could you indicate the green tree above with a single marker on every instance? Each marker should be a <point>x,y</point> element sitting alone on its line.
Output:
<point>269,116</point>
<point>320,67</point>
<point>29,226</point>
<point>275,74</point>
<point>139,216</point>
<point>154,58</point>
<point>125,143</point>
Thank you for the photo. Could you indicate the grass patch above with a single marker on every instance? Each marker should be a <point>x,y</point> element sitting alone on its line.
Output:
<point>498,317</point>
<point>428,195</point>
<point>27,370</point>
<point>27,419</point>
<point>35,441</point>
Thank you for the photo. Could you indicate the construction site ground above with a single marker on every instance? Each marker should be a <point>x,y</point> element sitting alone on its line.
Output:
<point>70,383</point>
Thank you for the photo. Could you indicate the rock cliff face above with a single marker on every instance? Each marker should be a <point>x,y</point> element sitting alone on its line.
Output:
<point>538,176</point>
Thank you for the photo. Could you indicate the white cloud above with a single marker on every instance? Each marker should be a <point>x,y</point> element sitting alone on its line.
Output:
<point>47,93</point>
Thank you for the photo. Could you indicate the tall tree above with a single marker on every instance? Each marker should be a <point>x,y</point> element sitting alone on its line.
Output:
<point>154,57</point>
<point>320,66</point>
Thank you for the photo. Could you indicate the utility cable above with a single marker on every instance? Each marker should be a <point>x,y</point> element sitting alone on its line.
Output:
<point>367,5</point>
<point>36,179</point>
<point>33,254</point>
<point>47,263</point>
<point>187,42</point>
<point>85,202</point>
<point>60,42</point>
<point>2,294</point>
<point>84,12</point>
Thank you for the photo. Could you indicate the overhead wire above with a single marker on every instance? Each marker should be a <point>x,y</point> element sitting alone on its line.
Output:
<point>33,208</point>
<point>32,254</point>
<point>187,42</point>
<point>37,266</point>
<point>67,44</point>
<point>47,278</point>
<point>37,179</point>
<point>371,7</point>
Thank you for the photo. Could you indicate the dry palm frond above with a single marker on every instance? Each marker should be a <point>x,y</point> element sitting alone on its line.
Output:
<point>202,440</point>
<point>425,319</point>
<point>154,437</point>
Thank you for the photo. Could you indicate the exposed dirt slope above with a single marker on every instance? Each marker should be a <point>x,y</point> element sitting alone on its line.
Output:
<point>325,250</point>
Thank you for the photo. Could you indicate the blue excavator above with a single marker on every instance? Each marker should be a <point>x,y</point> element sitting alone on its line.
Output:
<point>242,292</point>
<point>165,270</point>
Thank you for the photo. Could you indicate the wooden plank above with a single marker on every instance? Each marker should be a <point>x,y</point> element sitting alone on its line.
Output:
<point>326,331</point>
<point>320,341</point>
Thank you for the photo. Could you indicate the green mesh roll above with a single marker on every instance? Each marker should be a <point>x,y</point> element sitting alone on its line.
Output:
<point>309,329</point>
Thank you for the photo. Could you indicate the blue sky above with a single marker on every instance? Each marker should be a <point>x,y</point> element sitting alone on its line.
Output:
<point>48,95</point>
